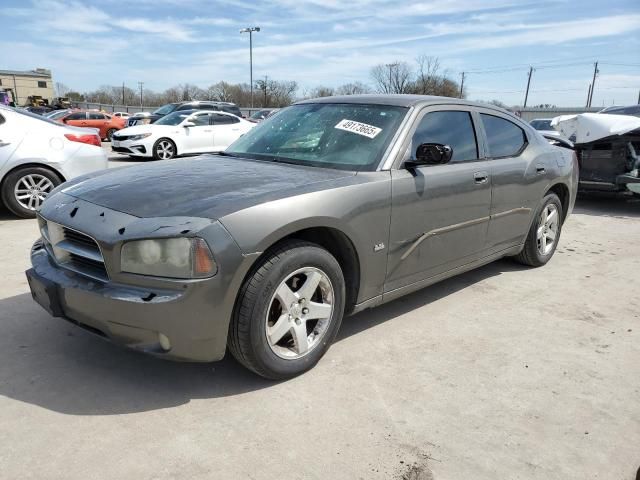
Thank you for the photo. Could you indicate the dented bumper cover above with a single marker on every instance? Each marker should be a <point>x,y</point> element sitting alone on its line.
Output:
<point>136,310</point>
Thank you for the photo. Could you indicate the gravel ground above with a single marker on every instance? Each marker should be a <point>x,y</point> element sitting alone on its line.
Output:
<point>501,373</point>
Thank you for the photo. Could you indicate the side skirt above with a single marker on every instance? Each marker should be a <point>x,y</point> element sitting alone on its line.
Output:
<point>402,291</point>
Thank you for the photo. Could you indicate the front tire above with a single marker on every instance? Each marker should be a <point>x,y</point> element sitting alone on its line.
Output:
<point>288,311</point>
<point>544,233</point>
<point>24,190</point>
<point>164,149</point>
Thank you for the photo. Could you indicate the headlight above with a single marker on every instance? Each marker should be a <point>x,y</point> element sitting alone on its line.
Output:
<point>169,257</point>
<point>139,137</point>
<point>144,121</point>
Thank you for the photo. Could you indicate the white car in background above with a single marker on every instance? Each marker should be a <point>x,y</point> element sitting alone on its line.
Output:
<point>183,132</point>
<point>121,114</point>
<point>37,154</point>
<point>543,125</point>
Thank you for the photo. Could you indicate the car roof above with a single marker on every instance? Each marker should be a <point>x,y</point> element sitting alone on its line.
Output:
<point>398,100</point>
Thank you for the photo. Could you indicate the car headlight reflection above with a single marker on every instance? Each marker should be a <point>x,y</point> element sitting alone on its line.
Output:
<point>168,257</point>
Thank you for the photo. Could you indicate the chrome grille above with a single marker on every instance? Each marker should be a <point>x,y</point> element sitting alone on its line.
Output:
<point>74,250</point>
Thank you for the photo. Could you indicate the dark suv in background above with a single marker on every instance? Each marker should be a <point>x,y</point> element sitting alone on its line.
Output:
<point>140,119</point>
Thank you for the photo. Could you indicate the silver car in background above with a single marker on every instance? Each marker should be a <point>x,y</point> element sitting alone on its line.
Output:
<point>330,207</point>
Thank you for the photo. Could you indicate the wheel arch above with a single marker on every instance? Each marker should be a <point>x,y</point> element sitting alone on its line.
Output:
<point>332,239</point>
<point>562,191</point>
<point>21,166</point>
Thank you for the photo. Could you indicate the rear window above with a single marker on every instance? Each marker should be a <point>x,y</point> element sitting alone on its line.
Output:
<point>219,119</point>
<point>505,138</point>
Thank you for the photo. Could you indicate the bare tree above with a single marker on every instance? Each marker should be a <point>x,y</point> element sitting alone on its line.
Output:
<point>392,77</point>
<point>320,91</point>
<point>61,89</point>
<point>355,88</point>
<point>275,93</point>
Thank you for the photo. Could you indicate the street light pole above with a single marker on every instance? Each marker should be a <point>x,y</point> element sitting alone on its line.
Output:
<point>250,31</point>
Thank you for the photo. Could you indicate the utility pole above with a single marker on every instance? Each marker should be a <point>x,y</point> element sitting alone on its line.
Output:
<point>593,83</point>
<point>526,95</point>
<point>250,31</point>
<point>123,102</point>
<point>390,66</point>
<point>588,96</point>
<point>266,78</point>
<point>461,85</point>
<point>638,97</point>
<point>141,84</point>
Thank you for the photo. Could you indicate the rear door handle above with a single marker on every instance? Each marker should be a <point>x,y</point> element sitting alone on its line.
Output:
<point>481,177</point>
<point>540,169</point>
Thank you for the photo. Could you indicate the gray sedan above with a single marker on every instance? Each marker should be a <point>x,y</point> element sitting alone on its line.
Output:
<point>332,206</point>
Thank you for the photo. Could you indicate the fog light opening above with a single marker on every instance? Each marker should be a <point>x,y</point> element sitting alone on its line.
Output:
<point>164,342</point>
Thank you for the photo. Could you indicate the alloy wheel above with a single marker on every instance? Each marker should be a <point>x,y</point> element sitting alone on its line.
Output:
<point>299,313</point>
<point>31,190</point>
<point>547,232</point>
<point>165,149</point>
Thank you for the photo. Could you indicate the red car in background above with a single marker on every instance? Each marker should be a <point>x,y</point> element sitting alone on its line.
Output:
<point>107,124</point>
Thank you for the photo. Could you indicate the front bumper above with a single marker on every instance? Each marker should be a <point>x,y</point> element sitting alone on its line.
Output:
<point>131,148</point>
<point>137,311</point>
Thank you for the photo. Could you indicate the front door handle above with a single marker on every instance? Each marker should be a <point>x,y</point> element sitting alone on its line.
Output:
<point>480,177</point>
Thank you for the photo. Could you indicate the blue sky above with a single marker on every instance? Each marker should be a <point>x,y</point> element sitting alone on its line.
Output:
<point>331,42</point>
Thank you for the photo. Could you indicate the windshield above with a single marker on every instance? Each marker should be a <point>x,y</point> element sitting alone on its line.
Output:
<point>541,124</point>
<point>165,109</point>
<point>345,136</point>
<point>175,118</point>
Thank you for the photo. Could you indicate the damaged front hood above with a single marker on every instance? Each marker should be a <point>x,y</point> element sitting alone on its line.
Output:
<point>590,127</point>
<point>206,186</point>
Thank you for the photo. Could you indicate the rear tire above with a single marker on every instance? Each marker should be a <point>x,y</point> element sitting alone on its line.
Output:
<point>110,133</point>
<point>544,233</point>
<point>288,311</point>
<point>24,190</point>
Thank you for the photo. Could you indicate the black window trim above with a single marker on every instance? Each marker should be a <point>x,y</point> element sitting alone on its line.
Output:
<point>406,146</point>
<point>486,111</point>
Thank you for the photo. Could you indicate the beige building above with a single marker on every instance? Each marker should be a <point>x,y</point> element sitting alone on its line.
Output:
<point>20,85</point>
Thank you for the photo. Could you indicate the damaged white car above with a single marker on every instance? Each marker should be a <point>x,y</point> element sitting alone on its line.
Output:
<point>608,150</point>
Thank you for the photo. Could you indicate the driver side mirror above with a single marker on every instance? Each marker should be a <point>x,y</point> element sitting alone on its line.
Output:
<point>431,154</point>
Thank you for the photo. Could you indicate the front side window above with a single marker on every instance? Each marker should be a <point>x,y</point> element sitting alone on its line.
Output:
<point>453,128</point>
<point>344,136</point>
<point>200,120</point>
<point>219,119</point>
<point>505,138</point>
<point>96,116</point>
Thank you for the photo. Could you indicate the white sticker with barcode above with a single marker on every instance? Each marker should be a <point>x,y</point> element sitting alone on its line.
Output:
<point>359,128</point>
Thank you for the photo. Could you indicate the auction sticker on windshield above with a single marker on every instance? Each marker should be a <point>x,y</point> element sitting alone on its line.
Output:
<point>359,128</point>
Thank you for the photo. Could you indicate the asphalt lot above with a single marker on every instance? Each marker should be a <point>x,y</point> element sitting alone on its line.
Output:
<point>502,373</point>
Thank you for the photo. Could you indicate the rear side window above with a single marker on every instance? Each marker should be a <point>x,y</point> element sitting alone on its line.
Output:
<point>77,116</point>
<point>96,116</point>
<point>224,119</point>
<point>505,138</point>
<point>453,128</point>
